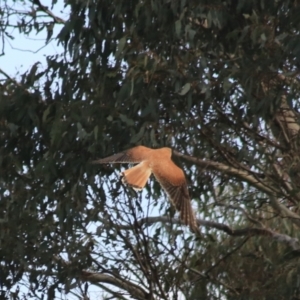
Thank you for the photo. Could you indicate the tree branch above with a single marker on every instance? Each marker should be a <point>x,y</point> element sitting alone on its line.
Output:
<point>285,212</point>
<point>133,289</point>
<point>247,231</point>
<point>48,12</point>
<point>228,170</point>
<point>244,175</point>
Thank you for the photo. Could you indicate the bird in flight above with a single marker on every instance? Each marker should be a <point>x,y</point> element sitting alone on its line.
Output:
<point>170,177</point>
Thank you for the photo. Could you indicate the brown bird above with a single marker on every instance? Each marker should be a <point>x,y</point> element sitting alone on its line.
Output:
<point>170,177</point>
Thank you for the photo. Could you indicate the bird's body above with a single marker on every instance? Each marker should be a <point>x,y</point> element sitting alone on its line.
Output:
<point>170,177</point>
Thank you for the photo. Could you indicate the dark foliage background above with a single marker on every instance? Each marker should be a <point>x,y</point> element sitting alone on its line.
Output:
<point>218,81</point>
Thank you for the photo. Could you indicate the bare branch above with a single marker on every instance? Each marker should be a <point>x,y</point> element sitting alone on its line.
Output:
<point>242,174</point>
<point>247,231</point>
<point>133,289</point>
<point>48,12</point>
<point>285,212</point>
<point>283,176</point>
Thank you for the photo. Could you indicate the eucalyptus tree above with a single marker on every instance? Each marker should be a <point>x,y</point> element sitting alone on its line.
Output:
<point>216,81</point>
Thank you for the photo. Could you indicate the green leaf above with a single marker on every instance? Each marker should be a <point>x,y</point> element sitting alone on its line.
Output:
<point>153,138</point>
<point>126,120</point>
<point>96,130</point>
<point>178,28</point>
<point>121,46</point>
<point>13,128</point>
<point>82,134</point>
<point>46,113</point>
<point>185,89</point>
<point>136,138</point>
<point>31,76</point>
<point>49,32</point>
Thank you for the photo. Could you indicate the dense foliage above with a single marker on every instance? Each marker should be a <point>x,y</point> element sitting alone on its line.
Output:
<point>218,81</point>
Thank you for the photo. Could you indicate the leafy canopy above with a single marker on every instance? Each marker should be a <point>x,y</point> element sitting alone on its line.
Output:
<point>215,80</point>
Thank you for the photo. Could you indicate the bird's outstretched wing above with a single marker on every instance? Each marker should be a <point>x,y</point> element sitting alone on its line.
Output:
<point>170,177</point>
<point>133,155</point>
<point>173,181</point>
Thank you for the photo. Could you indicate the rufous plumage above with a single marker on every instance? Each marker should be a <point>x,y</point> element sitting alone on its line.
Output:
<point>170,177</point>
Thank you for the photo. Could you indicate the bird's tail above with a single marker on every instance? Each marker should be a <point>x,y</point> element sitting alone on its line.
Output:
<point>137,176</point>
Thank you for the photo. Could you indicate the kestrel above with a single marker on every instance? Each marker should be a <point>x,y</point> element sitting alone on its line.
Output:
<point>170,177</point>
